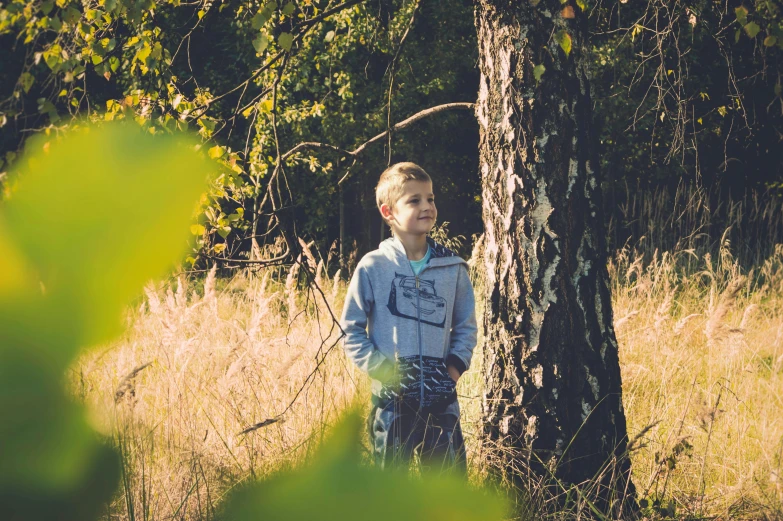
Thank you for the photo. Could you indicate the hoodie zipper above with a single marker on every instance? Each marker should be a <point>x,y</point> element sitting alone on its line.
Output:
<point>421,358</point>
<point>418,324</point>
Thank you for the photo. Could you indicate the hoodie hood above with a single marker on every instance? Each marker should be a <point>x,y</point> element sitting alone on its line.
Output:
<point>394,250</point>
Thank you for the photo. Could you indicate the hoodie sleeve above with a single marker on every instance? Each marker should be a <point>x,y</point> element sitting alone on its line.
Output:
<point>359,301</point>
<point>463,324</point>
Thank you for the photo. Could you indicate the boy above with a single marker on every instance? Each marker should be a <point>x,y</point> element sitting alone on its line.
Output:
<point>416,297</point>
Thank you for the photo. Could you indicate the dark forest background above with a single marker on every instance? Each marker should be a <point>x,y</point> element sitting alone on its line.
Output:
<point>686,95</point>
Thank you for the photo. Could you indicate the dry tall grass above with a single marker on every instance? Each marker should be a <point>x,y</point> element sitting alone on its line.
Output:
<point>702,362</point>
<point>194,393</point>
<point>199,393</point>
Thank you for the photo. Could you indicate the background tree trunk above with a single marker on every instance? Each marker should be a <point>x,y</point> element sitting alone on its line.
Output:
<point>553,402</point>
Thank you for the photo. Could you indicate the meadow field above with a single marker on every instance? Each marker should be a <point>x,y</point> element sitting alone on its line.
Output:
<point>220,380</point>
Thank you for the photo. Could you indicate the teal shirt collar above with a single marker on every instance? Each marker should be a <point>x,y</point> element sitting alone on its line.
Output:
<point>419,264</point>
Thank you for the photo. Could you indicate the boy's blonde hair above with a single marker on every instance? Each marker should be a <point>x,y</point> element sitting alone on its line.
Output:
<point>390,185</point>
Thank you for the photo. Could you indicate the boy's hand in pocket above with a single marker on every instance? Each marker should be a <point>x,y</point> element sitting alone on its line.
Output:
<point>453,373</point>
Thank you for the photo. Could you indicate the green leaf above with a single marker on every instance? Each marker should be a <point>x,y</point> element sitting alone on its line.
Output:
<point>285,40</point>
<point>265,106</point>
<point>334,485</point>
<point>114,63</point>
<point>258,21</point>
<point>55,24</point>
<point>260,44</point>
<point>197,229</point>
<point>288,8</point>
<point>582,4</point>
<point>71,16</point>
<point>742,15</point>
<point>157,51</point>
<point>564,39</point>
<point>46,6</point>
<point>46,107</point>
<point>53,57</point>
<point>778,89</point>
<point>752,29</point>
<point>770,40</point>
<point>223,231</point>
<point>27,80</point>
<point>216,152</point>
<point>207,126</point>
<point>538,71</point>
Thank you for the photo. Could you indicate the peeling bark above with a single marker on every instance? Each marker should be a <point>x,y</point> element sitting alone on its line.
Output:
<point>553,384</point>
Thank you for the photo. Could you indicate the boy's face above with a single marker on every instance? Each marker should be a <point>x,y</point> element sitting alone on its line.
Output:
<point>414,213</point>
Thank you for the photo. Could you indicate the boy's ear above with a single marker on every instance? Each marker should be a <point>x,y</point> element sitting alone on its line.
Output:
<point>385,212</point>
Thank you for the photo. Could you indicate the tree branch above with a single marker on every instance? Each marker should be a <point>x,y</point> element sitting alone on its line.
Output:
<point>413,119</point>
<point>399,126</point>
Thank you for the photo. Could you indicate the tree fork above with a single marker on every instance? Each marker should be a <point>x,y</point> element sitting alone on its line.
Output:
<point>553,403</point>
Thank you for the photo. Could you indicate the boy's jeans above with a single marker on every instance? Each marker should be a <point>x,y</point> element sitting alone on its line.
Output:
<point>397,430</point>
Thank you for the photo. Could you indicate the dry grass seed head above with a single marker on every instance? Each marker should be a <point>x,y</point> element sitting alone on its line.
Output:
<point>662,314</point>
<point>181,296</point>
<point>622,322</point>
<point>680,325</point>
<point>209,284</point>
<point>716,327</point>
<point>153,302</point>
<point>747,315</point>
<point>336,285</point>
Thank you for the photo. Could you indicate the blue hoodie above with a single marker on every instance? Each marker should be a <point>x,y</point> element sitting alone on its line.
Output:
<point>403,329</point>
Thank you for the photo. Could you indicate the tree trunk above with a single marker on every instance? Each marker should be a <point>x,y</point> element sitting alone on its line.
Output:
<point>553,404</point>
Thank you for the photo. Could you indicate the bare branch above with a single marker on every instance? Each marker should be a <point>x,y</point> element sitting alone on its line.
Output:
<point>310,144</point>
<point>413,119</point>
<point>399,126</point>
